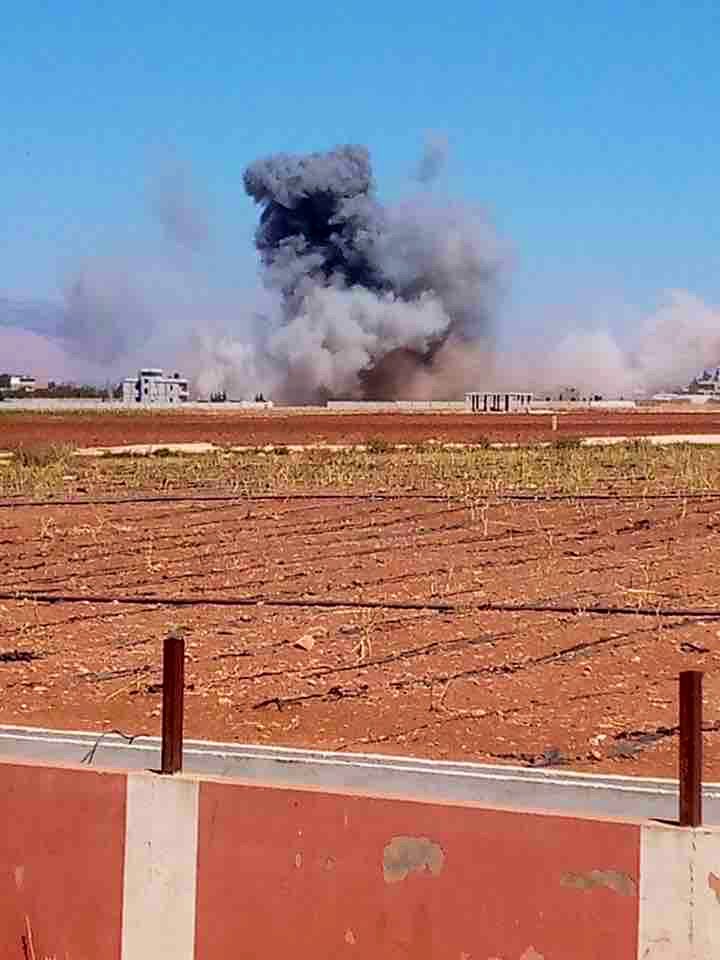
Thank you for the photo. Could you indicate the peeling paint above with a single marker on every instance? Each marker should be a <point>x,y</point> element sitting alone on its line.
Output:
<point>714,885</point>
<point>19,877</point>
<point>405,855</point>
<point>298,860</point>
<point>532,954</point>
<point>350,938</point>
<point>610,879</point>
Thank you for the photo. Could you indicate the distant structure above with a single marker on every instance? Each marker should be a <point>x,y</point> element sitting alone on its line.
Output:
<point>702,389</point>
<point>574,395</point>
<point>11,382</point>
<point>498,402</point>
<point>152,386</point>
<point>708,383</point>
<point>221,397</point>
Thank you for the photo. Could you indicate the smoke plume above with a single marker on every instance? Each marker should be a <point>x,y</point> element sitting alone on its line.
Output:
<point>433,159</point>
<point>368,294</point>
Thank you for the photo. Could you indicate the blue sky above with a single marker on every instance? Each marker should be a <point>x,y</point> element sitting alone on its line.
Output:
<point>588,130</point>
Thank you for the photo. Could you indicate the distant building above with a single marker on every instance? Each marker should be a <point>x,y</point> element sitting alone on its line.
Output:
<point>152,386</point>
<point>709,382</point>
<point>11,382</point>
<point>498,402</point>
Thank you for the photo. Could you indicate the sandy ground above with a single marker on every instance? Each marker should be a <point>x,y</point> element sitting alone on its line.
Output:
<point>277,427</point>
<point>590,692</point>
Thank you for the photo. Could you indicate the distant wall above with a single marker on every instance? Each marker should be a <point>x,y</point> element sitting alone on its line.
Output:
<point>38,404</point>
<point>69,403</point>
<point>697,399</point>
<point>401,406</point>
<point>570,405</point>
<point>131,866</point>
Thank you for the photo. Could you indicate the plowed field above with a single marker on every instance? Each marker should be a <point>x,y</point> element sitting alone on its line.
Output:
<point>593,691</point>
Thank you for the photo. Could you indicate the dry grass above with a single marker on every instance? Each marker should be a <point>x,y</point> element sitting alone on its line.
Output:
<point>471,473</point>
<point>40,455</point>
<point>39,468</point>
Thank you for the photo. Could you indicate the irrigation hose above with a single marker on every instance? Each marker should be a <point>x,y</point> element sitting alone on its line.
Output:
<point>337,603</point>
<point>425,497</point>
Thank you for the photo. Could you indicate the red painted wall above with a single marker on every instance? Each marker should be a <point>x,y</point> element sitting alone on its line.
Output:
<point>298,873</point>
<point>61,862</point>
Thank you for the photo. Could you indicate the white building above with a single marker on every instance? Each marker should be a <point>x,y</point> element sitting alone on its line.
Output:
<point>498,402</point>
<point>708,383</point>
<point>152,386</point>
<point>18,381</point>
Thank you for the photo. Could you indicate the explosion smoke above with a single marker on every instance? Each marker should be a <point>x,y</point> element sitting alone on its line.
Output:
<point>369,294</point>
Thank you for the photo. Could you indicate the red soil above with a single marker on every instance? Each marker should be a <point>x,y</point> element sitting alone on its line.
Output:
<point>591,692</point>
<point>278,427</point>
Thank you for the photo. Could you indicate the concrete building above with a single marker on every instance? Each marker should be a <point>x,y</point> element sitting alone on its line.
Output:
<point>12,382</point>
<point>498,402</point>
<point>707,384</point>
<point>152,386</point>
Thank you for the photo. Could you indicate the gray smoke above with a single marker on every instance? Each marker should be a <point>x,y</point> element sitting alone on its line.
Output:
<point>433,159</point>
<point>183,218</point>
<point>368,294</point>
<point>105,314</point>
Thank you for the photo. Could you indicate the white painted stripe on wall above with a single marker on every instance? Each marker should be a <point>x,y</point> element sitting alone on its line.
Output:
<point>679,895</point>
<point>160,868</point>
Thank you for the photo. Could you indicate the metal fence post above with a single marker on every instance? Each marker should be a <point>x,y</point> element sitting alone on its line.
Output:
<point>690,750</point>
<point>173,703</point>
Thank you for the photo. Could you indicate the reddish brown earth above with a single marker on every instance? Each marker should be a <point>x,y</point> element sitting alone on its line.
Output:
<point>590,692</point>
<point>278,427</point>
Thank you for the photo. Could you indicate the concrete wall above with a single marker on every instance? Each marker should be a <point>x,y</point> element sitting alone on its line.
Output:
<point>62,852</point>
<point>128,866</point>
<point>39,404</point>
<point>70,403</point>
<point>604,796</point>
<point>577,405</point>
<point>396,406</point>
<point>696,399</point>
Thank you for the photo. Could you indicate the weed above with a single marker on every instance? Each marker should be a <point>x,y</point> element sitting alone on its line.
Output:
<point>378,445</point>
<point>567,443</point>
<point>41,454</point>
<point>475,474</point>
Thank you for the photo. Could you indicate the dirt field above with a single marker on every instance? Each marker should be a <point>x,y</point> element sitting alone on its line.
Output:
<point>92,429</point>
<point>593,692</point>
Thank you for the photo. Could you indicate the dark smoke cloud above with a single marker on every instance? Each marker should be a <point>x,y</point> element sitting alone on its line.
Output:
<point>369,293</point>
<point>318,216</point>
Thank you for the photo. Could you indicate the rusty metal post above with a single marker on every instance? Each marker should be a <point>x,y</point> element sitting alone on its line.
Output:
<point>173,703</point>
<point>690,751</point>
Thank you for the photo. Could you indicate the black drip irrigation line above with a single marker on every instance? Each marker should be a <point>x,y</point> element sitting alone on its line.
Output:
<point>426,497</point>
<point>336,603</point>
<point>221,498</point>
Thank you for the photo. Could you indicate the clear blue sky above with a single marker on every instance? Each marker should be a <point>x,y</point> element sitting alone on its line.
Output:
<point>589,130</point>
